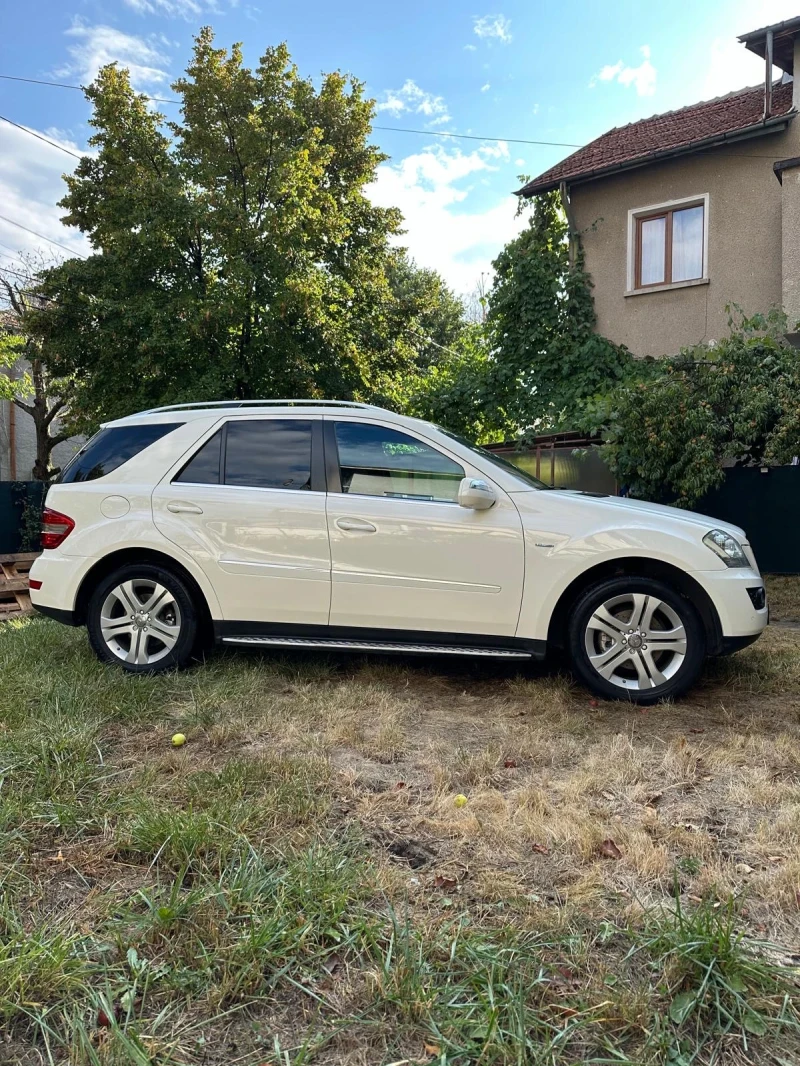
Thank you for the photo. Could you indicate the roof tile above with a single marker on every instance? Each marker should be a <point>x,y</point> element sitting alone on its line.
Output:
<point>691,125</point>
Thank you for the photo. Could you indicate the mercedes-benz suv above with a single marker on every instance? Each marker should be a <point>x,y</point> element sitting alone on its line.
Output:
<point>286,524</point>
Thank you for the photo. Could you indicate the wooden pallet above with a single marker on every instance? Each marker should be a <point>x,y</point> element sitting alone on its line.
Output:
<point>15,600</point>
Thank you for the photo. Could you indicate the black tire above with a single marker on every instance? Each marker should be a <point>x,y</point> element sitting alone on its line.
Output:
<point>633,663</point>
<point>176,618</point>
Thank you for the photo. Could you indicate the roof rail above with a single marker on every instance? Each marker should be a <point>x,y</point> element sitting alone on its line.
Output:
<point>259,403</point>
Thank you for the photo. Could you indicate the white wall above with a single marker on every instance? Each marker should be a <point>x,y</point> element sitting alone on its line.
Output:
<point>25,449</point>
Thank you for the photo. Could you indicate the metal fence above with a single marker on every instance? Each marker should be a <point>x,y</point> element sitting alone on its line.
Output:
<point>766,504</point>
<point>20,510</point>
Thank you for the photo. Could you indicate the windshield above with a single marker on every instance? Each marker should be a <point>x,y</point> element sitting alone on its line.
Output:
<point>496,460</point>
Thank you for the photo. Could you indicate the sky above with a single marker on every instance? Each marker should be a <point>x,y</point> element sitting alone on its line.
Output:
<point>496,73</point>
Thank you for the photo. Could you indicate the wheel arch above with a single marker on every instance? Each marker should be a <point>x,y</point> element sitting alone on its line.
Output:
<point>636,567</point>
<point>124,557</point>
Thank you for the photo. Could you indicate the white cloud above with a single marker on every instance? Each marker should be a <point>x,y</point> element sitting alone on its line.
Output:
<point>442,232</point>
<point>642,77</point>
<point>493,26</point>
<point>470,48</point>
<point>30,186</point>
<point>485,88</point>
<point>95,46</point>
<point>519,162</point>
<point>413,100</point>
<point>535,109</point>
<point>188,9</point>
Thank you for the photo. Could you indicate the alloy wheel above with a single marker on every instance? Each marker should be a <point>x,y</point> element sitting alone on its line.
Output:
<point>140,621</point>
<point>636,641</point>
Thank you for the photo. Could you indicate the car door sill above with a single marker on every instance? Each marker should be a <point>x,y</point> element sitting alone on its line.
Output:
<point>367,638</point>
<point>377,645</point>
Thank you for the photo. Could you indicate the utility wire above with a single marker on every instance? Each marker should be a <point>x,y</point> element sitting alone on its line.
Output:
<point>40,137</point>
<point>391,129</point>
<point>42,236</point>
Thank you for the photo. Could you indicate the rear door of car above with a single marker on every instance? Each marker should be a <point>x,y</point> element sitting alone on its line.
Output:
<point>249,507</point>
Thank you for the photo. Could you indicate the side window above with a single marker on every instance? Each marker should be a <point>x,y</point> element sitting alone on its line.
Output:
<point>111,447</point>
<point>379,461</point>
<point>203,467</point>
<point>268,453</point>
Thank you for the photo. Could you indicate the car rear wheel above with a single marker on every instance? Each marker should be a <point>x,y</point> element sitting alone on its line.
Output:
<point>143,619</point>
<point>636,639</point>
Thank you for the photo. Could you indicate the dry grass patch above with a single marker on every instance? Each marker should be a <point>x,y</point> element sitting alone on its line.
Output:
<point>302,862</point>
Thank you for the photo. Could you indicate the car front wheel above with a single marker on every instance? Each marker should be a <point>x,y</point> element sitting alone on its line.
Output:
<point>636,639</point>
<point>142,618</point>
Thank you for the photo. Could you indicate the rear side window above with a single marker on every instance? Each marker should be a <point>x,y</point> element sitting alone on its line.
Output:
<point>111,447</point>
<point>273,453</point>
<point>203,467</point>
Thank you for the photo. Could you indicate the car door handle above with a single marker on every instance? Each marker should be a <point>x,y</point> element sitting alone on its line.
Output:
<point>356,525</point>
<point>184,508</point>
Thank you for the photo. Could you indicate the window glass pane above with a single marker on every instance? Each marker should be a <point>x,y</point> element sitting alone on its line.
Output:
<point>652,233</point>
<point>378,461</point>
<point>270,453</point>
<point>687,244</point>
<point>110,448</point>
<point>203,468</point>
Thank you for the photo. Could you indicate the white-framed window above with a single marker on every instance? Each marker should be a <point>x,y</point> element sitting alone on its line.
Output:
<point>668,244</point>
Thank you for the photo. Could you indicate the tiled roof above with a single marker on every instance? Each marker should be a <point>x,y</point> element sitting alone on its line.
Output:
<point>711,122</point>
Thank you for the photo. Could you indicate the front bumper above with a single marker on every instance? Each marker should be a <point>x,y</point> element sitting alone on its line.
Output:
<point>741,621</point>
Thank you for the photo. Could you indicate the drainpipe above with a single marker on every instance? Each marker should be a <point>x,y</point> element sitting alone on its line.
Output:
<point>563,189</point>
<point>768,77</point>
<point>12,439</point>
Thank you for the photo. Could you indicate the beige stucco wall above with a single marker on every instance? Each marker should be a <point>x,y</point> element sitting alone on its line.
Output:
<point>746,242</point>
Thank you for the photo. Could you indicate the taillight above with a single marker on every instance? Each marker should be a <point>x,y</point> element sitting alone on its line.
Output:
<point>56,527</point>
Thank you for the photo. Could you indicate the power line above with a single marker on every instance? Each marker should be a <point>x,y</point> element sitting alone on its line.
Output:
<point>80,88</point>
<point>390,129</point>
<point>475,137</point>
<point>42,236</point>
<point>40,137</point>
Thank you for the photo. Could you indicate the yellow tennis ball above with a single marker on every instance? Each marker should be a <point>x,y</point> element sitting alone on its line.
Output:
<point>460,800</point>
<point>178,740</point>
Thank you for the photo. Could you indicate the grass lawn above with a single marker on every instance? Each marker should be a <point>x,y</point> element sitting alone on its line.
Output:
<point>297,884</point>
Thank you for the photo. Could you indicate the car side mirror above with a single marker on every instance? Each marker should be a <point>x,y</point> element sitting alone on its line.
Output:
<point>476,493</point>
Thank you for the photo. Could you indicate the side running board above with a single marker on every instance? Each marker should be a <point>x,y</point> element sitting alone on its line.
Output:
<point>375,645</point>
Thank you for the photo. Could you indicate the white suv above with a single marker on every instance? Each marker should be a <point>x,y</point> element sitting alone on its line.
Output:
<point>339,525</point>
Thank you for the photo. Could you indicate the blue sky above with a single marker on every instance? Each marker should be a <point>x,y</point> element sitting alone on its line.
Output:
<point>562,72</point>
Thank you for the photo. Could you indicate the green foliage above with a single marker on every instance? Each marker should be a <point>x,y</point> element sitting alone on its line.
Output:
<point>12,350</point>
<point>547,357</point>
<point>669,430</point>
<point>458,391</point>
<point>236,252</point>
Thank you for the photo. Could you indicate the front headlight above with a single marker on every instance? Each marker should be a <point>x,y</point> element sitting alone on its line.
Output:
<point>726,547</point>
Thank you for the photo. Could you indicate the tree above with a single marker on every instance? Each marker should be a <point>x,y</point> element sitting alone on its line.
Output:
<point>669,432</point>
<point>35,391</point>
<point>236,253</point>
<point>548,359</point>
<point>458,391</point>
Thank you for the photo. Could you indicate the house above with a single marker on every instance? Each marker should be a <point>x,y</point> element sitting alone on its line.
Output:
<point>685,212</point>
<point>17,428</point>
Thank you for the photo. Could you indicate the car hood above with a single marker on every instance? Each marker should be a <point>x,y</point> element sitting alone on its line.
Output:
<point>618,505</point>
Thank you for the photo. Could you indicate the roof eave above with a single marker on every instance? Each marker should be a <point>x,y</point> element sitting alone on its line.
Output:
<point>771,125</point>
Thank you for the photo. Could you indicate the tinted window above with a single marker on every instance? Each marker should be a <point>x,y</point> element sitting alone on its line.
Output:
<point>378,461</point>
<point>272,453</point>
<point>110,448</point>
<point>203,467</point>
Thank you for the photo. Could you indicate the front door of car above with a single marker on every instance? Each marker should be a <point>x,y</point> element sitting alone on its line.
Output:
<point>404,554</point>
<point>249,507</point>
